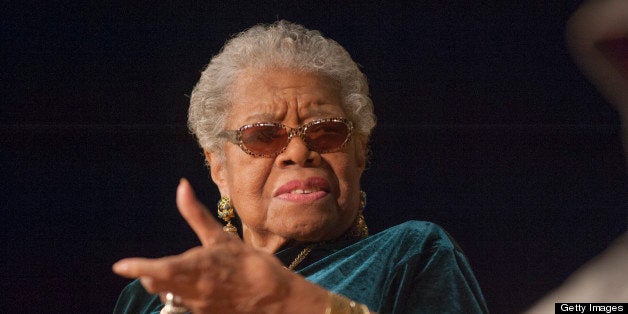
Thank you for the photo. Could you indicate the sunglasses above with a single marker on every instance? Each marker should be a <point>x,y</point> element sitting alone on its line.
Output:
<point>269,139</point>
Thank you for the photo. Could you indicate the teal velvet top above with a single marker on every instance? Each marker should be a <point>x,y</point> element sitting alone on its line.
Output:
<point>415,267</point>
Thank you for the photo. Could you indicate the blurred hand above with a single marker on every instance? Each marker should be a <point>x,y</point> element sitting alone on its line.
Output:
<point>603,279</point>
<point>224,275</point>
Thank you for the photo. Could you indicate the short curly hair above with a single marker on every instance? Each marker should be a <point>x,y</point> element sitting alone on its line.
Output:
<point>279,45</point>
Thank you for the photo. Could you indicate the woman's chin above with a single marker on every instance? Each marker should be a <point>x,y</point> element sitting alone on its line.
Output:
<point>315,221</point>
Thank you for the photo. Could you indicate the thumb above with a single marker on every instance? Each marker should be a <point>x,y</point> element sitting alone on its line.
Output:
<point>207,229</point>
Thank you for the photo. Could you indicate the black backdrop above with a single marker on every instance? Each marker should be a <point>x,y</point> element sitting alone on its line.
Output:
<point>485,127</point>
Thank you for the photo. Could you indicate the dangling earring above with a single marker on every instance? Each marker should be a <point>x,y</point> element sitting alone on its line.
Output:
<point>360,229</point>
<point>225,212</point>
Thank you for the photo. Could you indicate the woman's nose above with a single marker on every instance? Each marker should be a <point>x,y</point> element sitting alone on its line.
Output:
<point>297,153</point>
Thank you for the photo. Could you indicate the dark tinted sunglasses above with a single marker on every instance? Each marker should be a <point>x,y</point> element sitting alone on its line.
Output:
<point>269,139</point>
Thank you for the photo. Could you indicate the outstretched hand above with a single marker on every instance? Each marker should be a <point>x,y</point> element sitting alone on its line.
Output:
<point>222,275</point>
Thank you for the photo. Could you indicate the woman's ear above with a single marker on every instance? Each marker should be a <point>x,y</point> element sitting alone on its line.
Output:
<point>218,171</point>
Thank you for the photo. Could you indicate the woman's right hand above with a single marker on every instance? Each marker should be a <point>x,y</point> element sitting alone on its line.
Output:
<point>224,275</point>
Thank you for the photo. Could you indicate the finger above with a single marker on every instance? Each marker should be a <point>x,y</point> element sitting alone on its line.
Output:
<point>176,273</point>
<point>207,229</point>
<point>164,268</point>
<point>138,267</point>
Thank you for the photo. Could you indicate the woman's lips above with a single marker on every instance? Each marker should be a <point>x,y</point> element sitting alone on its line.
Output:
<point>616,50</point>
<point>300,191</point>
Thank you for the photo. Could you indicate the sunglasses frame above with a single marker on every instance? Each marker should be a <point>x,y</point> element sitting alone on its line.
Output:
<point>235,136</point>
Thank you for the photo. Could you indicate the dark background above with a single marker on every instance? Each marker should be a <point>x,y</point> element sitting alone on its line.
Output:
<point>485,127</point>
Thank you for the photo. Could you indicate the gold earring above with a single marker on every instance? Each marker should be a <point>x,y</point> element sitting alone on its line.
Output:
<point>360,229</point>
<point>226,213</point>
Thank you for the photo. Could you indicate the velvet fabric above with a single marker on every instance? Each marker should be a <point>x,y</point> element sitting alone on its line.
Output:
<point>415,267</point>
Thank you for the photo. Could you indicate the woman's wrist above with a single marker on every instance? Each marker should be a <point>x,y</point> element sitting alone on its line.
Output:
<point>339,304</point>
<point>307,297</point>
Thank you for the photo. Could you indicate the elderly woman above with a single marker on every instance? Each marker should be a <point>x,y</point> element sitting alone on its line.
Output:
<point>283,115</point>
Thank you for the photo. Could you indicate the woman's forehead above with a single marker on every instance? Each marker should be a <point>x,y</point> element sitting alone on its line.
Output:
<point>283,113</point>
<point>306,113</point>
<point>278,94</point>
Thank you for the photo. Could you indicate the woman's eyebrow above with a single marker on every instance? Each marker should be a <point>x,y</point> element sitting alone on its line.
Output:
<point>308,114</point>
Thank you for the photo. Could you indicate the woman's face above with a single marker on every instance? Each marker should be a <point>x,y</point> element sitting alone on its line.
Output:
<point>300,194</point>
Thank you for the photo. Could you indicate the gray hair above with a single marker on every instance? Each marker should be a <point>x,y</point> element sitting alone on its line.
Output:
<point>278,45</point>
